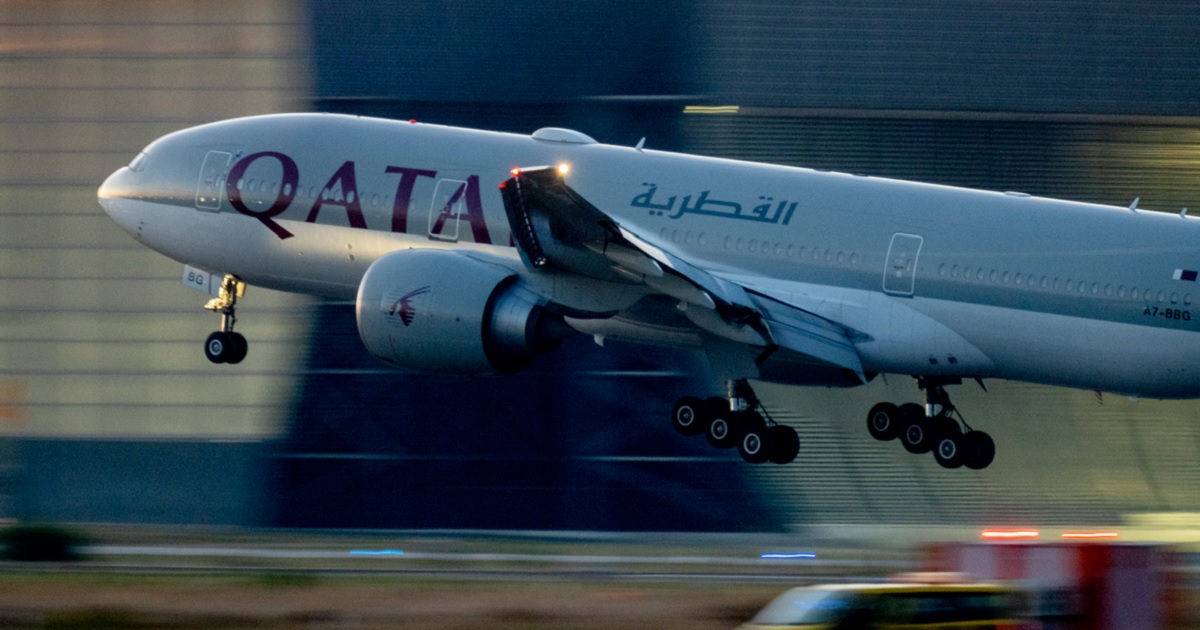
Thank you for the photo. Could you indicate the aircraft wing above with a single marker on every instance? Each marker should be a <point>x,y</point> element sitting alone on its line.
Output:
<point>555,227</point>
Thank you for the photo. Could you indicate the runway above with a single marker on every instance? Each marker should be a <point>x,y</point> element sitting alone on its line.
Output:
<point>774,567</point>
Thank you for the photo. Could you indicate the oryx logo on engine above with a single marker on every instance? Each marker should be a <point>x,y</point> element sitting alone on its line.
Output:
<point>403,306</point>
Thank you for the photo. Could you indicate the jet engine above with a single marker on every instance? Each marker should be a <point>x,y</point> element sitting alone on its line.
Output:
<point>447,312</point>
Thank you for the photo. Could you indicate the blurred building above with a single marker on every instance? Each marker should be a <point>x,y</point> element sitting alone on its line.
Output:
<point>98,340</point>
<point>99,343</point>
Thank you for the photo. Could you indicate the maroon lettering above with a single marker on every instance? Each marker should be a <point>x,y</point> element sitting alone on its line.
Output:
<point>404,190</point>
<point>349,200</point>
<point>287,190</point>
<point>448,212</point>
<point>475,212</point>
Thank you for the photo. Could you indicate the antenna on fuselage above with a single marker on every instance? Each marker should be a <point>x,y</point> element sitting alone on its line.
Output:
<point>1183,213</point>
<point>641,143</point>
<point>1133,206</point>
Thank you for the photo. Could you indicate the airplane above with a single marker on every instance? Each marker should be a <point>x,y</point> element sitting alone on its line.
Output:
<point>471,251</point>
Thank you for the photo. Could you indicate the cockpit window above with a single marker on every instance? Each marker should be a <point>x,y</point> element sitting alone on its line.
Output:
<point>138,162</point>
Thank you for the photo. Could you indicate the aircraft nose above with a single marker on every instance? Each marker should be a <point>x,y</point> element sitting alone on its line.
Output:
<point>114,195</point>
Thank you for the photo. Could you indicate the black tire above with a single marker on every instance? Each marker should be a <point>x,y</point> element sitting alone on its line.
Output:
<point>915,433</point>
<point>944,425</point>
<point>980,450</point>
<point>785,444</point>
<point>722,430</point>
<point>239,349</point>
<point>911,410</point>
<point>690,416</point>
<point>950,451</point>
<point>218,347</point>
<point>883,421</point>
<point>754,443</point>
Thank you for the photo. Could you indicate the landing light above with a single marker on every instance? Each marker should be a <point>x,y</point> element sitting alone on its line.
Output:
<point>563,169</point>
<point>516,172</point>
<point>1009,534</point>
<point>1090,535</point>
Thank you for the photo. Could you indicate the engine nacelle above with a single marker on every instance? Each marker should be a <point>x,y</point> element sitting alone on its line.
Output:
<point>446,312</point>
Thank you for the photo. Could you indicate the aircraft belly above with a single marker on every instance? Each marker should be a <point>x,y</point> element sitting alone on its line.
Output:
<point>902,339</point>
<point>322,260</point>
<point>1076,352</point>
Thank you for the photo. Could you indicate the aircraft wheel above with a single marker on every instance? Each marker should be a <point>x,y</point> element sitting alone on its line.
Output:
<point>883,421</point>
<point>723,430</point>
<point>239,348</point>
<point>785,444</point>
<point>689,415</point>
<point>218,347</point>
<point>915,432</point>
<point>944,425</point>
<point>980,450</point>
<point>754,444</point>
<point>949,451</point>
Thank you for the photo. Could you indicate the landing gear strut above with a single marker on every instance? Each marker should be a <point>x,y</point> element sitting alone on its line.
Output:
<point>933,428</point>
<point>739,420</point>
<point>226,346</point>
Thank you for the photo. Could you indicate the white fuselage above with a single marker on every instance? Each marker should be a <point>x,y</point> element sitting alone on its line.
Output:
<point>932,280</point>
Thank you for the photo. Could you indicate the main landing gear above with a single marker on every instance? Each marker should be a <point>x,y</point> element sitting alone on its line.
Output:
<point>226,346</point>
<point>933,429</point>
<point>737,421</point>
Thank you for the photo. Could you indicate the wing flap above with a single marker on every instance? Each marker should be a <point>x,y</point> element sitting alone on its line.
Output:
<point>810,335</point>
<point>554,226</point>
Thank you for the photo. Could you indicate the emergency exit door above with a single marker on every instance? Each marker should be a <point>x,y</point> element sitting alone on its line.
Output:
<point>900,270</point>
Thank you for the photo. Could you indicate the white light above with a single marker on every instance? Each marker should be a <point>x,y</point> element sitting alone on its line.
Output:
<point>564,168</point>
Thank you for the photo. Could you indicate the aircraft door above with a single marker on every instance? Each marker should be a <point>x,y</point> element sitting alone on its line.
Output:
<point>211,186</point>
<point>449,204</point>
<point>901,266</point>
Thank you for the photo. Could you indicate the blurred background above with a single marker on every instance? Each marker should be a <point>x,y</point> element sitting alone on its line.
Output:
<point>110,413</point>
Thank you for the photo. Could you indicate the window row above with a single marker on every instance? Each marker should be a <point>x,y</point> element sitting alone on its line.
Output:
<point>1056,284</point>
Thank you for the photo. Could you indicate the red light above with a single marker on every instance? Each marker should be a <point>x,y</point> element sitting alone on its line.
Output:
<point>412,121</point>
<point>1009,534</point>
<point>1089,535</point>
<point>503,185</point>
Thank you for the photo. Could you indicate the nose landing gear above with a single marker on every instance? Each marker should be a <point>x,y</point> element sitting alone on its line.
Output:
<point>739,421</point>
<point>225,345</point>
<point>933,428</point>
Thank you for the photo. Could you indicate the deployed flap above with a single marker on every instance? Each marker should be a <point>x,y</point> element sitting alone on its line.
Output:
<point>809,335</point>
<point>555,226</point>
